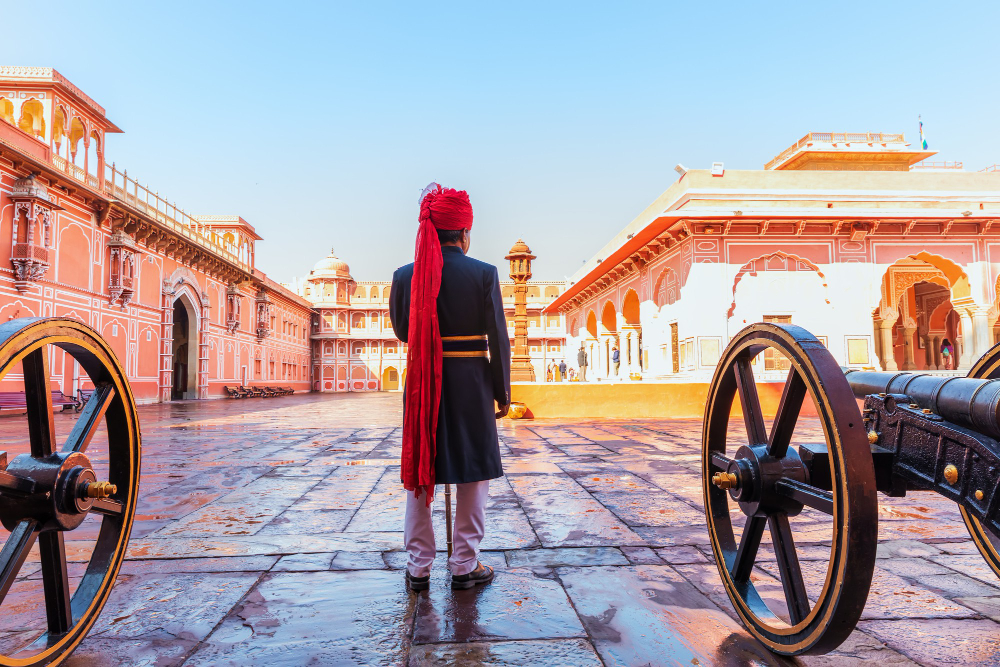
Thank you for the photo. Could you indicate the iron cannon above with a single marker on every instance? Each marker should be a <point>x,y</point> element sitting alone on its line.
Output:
<point>814,484</point>
<point>73,496</point>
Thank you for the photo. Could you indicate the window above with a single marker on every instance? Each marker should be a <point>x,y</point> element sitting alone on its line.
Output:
<point>857,351</point>
<point>710,349</point>
<point>774,360</point>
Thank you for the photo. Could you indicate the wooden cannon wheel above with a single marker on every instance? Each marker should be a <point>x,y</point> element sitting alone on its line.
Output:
<point>50,490</point>
<point>766,478</point>
<point>988,368</point>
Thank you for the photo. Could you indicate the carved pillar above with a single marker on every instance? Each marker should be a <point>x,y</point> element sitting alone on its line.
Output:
<point>938,363</point>
<point>966,340</point>
<point>167,343</point>
<point>909,328</point>
<point>888,354</point>
<point>203,347</point>
<point>981,332</point>
<point>520,271</point>
<point>929,362</point>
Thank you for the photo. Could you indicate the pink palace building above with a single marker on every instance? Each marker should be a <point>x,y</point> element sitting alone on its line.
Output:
<point>176,295</point>
<point>355,348</point>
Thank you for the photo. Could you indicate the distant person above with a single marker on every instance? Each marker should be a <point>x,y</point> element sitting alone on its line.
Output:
<point>581,361</point>
<point>562,370</point>
<point>548,373</point>
<point>572,374</point>
<point>448,308</point>
<point>946,355</point>
<point>615,359</point>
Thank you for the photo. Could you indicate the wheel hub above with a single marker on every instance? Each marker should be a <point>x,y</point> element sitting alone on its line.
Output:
<point>751,477</point>
<point>63,488</point>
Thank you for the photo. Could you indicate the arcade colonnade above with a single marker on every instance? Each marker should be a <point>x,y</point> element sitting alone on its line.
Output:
<point>177,296</point>
<point>891,266</point>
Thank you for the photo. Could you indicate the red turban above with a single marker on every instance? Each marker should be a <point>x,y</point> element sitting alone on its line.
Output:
<point>440,208</point>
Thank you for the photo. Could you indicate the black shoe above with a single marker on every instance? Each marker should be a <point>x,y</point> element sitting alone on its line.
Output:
<point>417,583</point>
<point>483,574</point>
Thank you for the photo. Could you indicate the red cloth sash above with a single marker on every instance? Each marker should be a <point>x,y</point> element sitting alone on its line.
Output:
<point>440,208</point>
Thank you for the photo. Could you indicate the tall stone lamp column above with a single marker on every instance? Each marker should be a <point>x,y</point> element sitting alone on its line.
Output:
<point>520,258</point>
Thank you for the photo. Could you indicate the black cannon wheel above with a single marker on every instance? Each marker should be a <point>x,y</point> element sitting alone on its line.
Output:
<point>987,368</point>
<point>767,480</point>
<point>49,491</point>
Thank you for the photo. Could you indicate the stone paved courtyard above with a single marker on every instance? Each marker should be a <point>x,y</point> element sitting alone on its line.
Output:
<point>269,533</point>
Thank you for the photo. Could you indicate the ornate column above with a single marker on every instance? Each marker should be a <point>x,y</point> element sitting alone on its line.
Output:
<point>520,258</point>
<point>938,364</point>
<point>965,340</point>
<point>888,354</point>
<point>909,328</point>
<point>203,347</point>
<point>929,363</point>
<point>167,343</point>
<point>981,331</point>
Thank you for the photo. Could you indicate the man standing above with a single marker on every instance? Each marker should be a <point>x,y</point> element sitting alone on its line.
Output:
<point>581,361</point>
<point>615,359</point>
<point>447,307</point>
<point>562,370</point>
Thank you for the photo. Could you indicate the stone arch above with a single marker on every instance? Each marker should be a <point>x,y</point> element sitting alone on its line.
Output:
<point>185,343</point>
<point>58,128</point>
<point>390,379</point>
<point>897,327</point>
<point>592,323</point>
<point>77,132</point>
<point>551,291</point>
<point>609,318</point>
<point>775,261</point>
<point>6,110</point>
<point>667,290</point>
<point>630,307</point>
<point>32,118</point>
<point>374,294</point>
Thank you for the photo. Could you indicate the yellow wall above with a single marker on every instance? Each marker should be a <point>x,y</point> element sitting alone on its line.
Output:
<point>639,400</point>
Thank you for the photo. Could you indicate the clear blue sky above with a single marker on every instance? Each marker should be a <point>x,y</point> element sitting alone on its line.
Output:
<point>321,122</point>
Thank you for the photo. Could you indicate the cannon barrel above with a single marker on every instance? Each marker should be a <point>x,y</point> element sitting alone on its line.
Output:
<point>968,402</point>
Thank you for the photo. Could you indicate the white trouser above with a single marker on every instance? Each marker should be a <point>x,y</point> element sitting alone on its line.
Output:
<point>470,525</point>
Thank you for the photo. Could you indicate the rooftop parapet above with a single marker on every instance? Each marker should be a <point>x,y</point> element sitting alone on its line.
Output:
<point>849,151</point>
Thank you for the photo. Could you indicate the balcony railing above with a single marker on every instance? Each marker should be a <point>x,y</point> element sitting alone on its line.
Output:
<point>30,251</point>
<point>991,168</point>
<point>836,138</point>
<point>941,164</point>
<point>118,185</point>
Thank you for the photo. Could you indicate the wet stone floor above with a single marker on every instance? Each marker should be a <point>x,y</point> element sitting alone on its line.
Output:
<point>269,532</point>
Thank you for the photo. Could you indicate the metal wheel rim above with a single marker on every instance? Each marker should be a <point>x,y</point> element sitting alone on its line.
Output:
<point>849,573</point>
<point>988,367</point>
<point>18,339</point>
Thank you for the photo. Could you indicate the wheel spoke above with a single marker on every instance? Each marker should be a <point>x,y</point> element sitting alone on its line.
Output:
<point>90,419</point>
<point>38,398</point>
<point>788,413</point>
<point>55,581</point>
<point>107,507</point>
<point>788,566</point>
<point>720,461</point>
<point>15,551</point>
<point>746,554</point>
<point>752,416</point>
<point>807,494</point>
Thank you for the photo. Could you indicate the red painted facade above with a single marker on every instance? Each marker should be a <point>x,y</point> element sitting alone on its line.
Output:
<point>177,296</point>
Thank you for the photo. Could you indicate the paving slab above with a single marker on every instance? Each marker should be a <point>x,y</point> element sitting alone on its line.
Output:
<point>269,532</point>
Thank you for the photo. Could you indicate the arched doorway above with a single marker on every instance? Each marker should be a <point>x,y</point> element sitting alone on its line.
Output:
<point>916,313</point>
<point>185,350</point>
<point>631,350</point>
<point>390,379</point>
<point>609,337</point>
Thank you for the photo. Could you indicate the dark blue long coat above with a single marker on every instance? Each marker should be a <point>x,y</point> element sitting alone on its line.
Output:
<point>468,304</point>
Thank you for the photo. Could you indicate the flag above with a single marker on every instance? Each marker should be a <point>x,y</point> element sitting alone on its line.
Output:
<point>923,141</point>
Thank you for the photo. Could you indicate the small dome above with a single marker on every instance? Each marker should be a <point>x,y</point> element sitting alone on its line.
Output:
<point>331,266</point>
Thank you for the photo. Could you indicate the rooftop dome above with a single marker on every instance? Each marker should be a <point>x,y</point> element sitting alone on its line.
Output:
<point>331,267</point>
